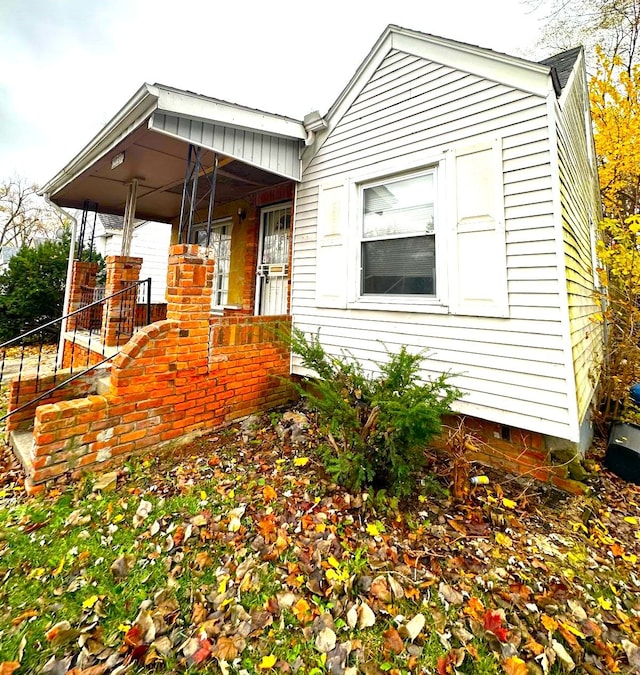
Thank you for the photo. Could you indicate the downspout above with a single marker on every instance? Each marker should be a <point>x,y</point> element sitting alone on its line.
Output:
<point>67,287</point>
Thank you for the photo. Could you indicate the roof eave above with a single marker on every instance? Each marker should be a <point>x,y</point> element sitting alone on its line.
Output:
<point>131,115</point>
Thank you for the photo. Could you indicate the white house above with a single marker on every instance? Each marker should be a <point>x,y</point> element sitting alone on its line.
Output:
<point>450,205</point>
<point>150,241</point>
<point>447,201</point>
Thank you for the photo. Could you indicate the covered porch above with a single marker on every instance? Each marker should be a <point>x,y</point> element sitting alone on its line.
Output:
<point>223,175</point>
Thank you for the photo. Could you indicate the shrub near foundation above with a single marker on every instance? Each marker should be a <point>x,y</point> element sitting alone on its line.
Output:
<point>377,425</point>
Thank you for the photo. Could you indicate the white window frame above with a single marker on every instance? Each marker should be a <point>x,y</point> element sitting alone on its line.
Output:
<point>221,273</point>
<point>411,303</point>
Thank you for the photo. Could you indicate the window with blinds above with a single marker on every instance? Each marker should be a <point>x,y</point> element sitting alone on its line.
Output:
<point>398,253</point>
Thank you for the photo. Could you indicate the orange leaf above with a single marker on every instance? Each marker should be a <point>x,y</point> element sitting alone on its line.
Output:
<point>269,494</point>
<point>23,617</point>
<point>474,608</point>
<point>8,667</point>
<point>225,649</point>
<point>515,666</point>
<point>549,623</point>
<point>301,610</point>
<point>393,641</point>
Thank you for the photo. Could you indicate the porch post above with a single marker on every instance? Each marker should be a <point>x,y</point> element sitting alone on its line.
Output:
<point>83,281</point>
<point>189,284</point>
<point>129,217</point>
<point>118,313</point>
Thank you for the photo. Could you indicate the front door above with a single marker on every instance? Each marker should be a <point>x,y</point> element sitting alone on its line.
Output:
<point>273,260</point>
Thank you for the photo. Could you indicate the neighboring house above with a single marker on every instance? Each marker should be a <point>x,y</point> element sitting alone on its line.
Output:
<point>150,241</point>
<point>447,201</point>
<point>6,253</point>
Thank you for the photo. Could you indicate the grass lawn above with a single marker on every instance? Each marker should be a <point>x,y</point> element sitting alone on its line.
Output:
<point>237,555</point>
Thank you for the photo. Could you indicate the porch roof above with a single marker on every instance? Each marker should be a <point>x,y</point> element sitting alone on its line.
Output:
<point>153,130</point>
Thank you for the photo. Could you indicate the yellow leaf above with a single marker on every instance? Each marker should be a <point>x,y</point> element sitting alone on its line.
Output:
<point>333,562</point>
<point>268,662</point>
<point>515,666</point>
<point>373,530</point>
<point>572,629</point>
<point>632,520</point>
<point>118,518</point>
<point>203,495</point>
<point>124,627</point>
<point>222,586</point>
<point>90,601</point>
<point>509,503</point>
<point>58,569</point>
<point>568,574</point>
<point>301,461</point>
<point>630,558</point>
<point>605,603</point>
<point>503,539</point>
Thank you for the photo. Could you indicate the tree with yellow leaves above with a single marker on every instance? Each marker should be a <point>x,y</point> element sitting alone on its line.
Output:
<point>615,107</point>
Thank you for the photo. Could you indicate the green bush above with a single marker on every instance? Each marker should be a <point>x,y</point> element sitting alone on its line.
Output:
<point>377,425</point>
<point>32,288</point>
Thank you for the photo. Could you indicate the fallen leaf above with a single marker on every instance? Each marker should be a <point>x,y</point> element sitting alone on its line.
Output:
<point>366,616</point>
<point>563,655</point>
<point>493,623</point>
<point>412,628</point>
<point>380,589</point>
<point>301,461</point>
<point>633,654</point>
<point>449,594</point>
<point>8,667</point>
<point>267,662</point>
<point>515,666</point>
<point>392,641</point>
<point>503,539</point>
<point>269,494</point>
<point>326,640</point>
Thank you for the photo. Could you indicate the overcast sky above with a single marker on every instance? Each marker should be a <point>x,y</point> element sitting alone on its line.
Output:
<point>67,66</point>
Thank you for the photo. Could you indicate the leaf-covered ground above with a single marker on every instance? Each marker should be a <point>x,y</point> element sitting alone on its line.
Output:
<point>237,555</point>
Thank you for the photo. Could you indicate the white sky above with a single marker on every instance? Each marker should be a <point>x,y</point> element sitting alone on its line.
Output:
<point>67,66</point>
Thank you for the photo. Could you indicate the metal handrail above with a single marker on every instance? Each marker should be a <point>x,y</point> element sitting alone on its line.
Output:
<point>129,328</point>
<point>84,308</point>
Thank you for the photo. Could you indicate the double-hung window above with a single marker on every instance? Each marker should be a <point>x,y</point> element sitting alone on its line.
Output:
<point>398,249</point>
<point>220,246</point>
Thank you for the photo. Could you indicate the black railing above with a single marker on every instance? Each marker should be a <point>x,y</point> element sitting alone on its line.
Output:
<point>37,350</point>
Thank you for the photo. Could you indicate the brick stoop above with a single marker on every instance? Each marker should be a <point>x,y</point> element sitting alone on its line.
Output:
<point>175,379</point>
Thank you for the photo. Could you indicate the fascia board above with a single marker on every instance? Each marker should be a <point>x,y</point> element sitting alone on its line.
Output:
<point>130,116</point>
<point>193,106</point>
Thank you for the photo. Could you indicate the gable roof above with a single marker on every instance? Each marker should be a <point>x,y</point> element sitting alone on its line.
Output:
<point>563,64</point>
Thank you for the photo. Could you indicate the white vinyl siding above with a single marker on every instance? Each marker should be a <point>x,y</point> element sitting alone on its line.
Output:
<point>512,370</point>
<point>580,214</point>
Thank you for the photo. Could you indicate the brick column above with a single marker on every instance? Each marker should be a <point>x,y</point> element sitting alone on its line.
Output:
<point>83,277</point>
<point>118,313</point>
<point>189,284</point>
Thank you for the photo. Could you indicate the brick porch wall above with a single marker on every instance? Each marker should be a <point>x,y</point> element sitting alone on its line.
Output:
<point>24,391</point>
<point>83,276</point>
<point>170,382</point>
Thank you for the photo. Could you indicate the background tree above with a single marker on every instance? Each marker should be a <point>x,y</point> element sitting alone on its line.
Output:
<point>32,288</point>
<point>615,106</point>
<point>25,217</point>
<point>613,25</point>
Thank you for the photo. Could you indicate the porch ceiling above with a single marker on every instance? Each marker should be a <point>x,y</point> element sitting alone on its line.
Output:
<point>255,150</point>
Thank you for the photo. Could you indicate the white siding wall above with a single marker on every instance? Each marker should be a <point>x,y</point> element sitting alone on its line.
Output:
<point>580,215</point>
<point>512,370</point>
<point>151,243</point>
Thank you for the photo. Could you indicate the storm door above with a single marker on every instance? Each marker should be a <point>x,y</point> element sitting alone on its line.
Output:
<point>273,260</point>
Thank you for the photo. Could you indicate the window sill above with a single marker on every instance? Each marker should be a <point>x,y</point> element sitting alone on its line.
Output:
<point>400,304</point>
